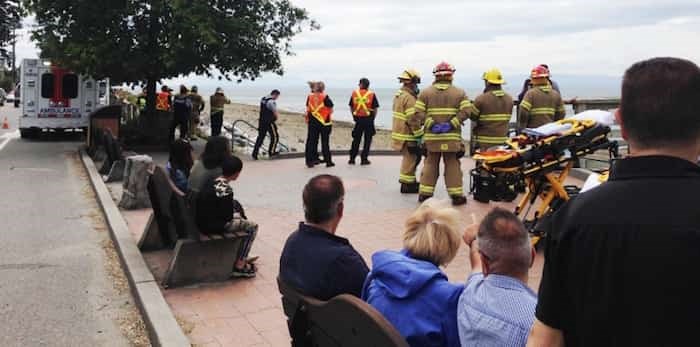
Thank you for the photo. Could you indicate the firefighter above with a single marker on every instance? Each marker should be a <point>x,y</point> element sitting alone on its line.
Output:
<point>541,104</point>
<point>363,106</point>
<point>319,109</point>
<point>197,108</point>
<point>492,112</point>
<point>216,106</point>
<point>164,101</point>
<point>402,137</point>
<point>441,110</point>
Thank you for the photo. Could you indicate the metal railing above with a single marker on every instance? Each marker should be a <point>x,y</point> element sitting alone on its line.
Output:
<point>244,134</point>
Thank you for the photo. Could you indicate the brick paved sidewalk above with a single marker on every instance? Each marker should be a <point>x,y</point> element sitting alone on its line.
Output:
<point>248,312</point>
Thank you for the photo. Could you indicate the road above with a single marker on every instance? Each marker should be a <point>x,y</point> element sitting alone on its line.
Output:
<point>56,286</point>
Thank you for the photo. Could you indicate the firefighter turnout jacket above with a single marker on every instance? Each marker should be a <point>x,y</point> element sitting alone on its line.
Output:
<point>441,103</point>
<point>492,112</point>
<point>403,110</point>
<point>540,105</point>
<point>217,102</point>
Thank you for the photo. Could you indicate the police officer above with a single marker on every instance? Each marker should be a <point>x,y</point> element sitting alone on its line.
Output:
<point>267,124</point>
<point>441,110</point>
<point>492,112</point>
<point>402,137</point>
<point>363,105</point>
<point>541,104</point>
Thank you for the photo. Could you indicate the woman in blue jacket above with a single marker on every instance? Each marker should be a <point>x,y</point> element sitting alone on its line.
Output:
<point>409,289</point>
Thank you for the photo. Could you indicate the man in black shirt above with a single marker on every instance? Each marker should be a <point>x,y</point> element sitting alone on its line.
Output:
<point>621,260</point>
<point>215,213</point>
<point>267,124</point>
<point>314,260</point>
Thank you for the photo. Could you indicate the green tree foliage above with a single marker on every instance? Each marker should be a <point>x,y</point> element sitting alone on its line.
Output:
<point>10,19</point>
<point>137,41</point>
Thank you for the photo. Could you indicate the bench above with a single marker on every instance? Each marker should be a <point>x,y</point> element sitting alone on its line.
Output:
<point>196,257</point>
<point>342,321</point>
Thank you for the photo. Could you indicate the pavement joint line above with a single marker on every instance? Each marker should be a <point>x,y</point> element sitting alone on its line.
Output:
<point>162,327</point>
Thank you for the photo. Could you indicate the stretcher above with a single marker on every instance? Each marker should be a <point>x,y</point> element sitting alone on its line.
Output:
<point>537,164</point>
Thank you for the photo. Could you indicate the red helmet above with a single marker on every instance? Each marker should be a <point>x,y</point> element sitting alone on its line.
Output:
<point>539,71</point>
<point>443,69</point>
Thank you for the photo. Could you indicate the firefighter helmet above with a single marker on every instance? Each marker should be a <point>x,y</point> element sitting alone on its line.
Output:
<point>410,75</point>
<point>443,69</point>
<point>539,71</point>
<point>494,76</point>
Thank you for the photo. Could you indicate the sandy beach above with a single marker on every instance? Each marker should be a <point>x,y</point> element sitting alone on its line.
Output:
<point>292,128</point>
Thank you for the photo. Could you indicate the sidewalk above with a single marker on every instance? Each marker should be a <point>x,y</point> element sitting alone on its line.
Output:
<point>248,312</point>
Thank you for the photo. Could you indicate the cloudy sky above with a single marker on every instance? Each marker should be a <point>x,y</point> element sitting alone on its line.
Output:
<point>378,39</point>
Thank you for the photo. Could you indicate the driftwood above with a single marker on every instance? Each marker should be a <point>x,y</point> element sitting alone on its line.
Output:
<point>136,173</point>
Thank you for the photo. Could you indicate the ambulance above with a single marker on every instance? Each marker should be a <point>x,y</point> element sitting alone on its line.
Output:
<point>54,98</point>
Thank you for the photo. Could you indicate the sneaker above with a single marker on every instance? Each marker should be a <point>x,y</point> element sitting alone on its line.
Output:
<point>330,164</point>
<point>459,200</point>
<point>351,161</point>
<point>247,272</point>
<point>365,162</point>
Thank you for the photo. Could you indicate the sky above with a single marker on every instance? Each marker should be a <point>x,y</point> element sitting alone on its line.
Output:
<point>591,40</point>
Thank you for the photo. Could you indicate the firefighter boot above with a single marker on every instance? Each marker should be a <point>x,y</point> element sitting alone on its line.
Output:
<point>409,188</point>
<point>459,200</point>
<point>422,197</point>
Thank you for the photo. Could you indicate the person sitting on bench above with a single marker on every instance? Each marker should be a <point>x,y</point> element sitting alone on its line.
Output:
<point>215,213</point>
<point>180,163</point>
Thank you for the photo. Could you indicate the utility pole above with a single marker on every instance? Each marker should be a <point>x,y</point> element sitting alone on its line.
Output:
<point>14,56</point>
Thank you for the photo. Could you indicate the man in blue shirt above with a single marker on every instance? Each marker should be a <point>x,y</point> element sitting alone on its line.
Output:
<point>314,260</point>
<point>497,308</point>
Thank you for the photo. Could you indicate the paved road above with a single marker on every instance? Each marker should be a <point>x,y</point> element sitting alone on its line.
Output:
<point>54,286</point>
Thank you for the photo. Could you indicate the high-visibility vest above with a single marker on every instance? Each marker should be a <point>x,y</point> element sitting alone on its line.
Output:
<point>362,100</point>
<point>162,101</point>
<point>318,109</point>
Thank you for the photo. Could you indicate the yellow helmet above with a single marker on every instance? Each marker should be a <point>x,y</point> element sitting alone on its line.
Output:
<point>410,75</point>
<point>494,76</point>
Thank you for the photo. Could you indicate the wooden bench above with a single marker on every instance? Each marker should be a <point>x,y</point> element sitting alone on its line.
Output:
<point>196,257</point>
<point>342,321</point>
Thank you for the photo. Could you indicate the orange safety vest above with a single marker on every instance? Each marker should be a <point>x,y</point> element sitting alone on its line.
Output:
<point>162,101</point>
<point>362,100</point>
<point>317,108</point>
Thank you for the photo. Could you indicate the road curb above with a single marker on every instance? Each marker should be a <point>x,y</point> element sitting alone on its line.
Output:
<point>161,325</point>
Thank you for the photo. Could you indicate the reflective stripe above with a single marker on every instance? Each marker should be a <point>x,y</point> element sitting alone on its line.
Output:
<point>407,178</point>
<point>437,111</point>
<point>476,109</point>
<point>490,139</point>
<point>362,102</point>
<point>441,86</point>
<point>545,89</point>
<point>456,123</point>
<point>526,105</point>
<point>410,111</point>
<point>542,111</point>
<point>459,191</point>
<point>442,137</point>
<point>419,133</point>
<point>400,115</point>
<point>404,137</point>
<point>419,106</point>
<point>427,190</point>
<point>495,117</point>
<point>498,93</point>
<point>429,123</point>
<point>465,104</point>
<point>561,108</point>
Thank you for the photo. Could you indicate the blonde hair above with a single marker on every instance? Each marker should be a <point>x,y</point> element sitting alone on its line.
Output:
<point>432,232</point>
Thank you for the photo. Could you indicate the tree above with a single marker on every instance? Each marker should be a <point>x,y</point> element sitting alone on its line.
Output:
<point>137,41</point>
<point>11,14</point>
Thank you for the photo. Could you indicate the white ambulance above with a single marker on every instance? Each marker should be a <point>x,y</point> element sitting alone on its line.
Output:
<point>56,98</point>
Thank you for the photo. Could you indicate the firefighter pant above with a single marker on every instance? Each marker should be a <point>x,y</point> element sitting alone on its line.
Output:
<point>364,126</point>
<point>217,120</point>
<point>431,171</point>
<point>183,123</point>
<point>411,157</point>
<point>316,130</point>
<point>265,127</point>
